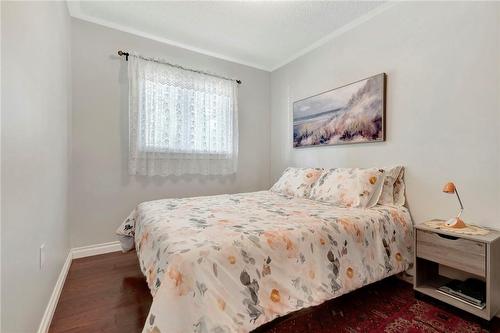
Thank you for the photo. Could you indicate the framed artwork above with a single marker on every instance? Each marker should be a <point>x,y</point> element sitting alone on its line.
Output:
<point>354,113</point>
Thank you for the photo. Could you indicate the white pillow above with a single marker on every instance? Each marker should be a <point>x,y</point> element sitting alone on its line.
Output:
<point>349,187</point>
<point>393,190</point>
<point>297,182</point>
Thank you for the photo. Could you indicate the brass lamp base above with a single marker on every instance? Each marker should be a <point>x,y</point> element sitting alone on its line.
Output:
<point>455,223</point>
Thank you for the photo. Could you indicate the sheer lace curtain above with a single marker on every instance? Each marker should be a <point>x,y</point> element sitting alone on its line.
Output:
<point>180,122</point>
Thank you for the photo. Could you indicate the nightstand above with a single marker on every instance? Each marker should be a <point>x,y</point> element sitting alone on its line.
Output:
<point>441,256</point>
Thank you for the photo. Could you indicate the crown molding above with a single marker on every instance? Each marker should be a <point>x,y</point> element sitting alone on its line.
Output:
<point>345,28</point>
<point>76,12</point>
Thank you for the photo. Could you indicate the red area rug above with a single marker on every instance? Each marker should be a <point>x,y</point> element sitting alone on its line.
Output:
<point>386,306</point>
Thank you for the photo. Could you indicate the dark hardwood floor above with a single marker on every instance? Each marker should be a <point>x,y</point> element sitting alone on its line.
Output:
<point>105,293</point>
<point>108,293</point>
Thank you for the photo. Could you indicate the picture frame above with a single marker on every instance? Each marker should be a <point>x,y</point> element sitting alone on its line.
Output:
<point>349,114</point>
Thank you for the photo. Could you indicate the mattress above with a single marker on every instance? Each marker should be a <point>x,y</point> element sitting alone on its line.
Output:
<point>230,263</point>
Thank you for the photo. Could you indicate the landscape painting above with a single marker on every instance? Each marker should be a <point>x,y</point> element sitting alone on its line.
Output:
<point>350,114</point>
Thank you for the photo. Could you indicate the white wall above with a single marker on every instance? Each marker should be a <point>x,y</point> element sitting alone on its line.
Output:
<point>102,193</point>
<point>443,120</point>
<point>442,61</point>
<point>36,92</point>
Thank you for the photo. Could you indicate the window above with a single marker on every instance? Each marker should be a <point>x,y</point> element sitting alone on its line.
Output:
<point>180,122</point>
<point>186,120</point>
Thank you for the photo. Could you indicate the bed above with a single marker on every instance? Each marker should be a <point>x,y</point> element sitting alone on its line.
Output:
<point>230,263</point>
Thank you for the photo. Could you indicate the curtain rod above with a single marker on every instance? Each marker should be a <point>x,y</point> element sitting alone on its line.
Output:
<point>126,55</point>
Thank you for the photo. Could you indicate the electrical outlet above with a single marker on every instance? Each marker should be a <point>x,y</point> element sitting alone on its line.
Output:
<point>42,255</point>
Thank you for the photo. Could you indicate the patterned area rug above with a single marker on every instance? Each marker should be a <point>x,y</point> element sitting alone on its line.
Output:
<point>386,306</point>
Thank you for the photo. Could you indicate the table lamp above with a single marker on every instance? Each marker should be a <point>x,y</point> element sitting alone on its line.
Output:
<point>455,222</point>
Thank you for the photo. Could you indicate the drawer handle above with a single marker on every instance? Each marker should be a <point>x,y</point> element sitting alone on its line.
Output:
<point>448,237</point>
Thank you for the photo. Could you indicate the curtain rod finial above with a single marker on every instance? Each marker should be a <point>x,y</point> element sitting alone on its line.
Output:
<point>238,81</point>
<point>121,53</point>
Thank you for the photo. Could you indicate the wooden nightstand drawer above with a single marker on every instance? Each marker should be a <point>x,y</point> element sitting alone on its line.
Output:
<point>463,254</point>
<point>443,255</point>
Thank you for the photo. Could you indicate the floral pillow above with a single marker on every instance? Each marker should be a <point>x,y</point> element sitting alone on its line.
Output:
<point>393,190</point>
<point>349,187</point>
<point>297,182</point>
<point>399,189</point>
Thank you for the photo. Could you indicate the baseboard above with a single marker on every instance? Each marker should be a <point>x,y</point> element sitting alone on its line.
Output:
<point>81,252</point>
<point>54,298</point>
<point>407,276</point>
<point>74,253</point>
<point>93,250</point>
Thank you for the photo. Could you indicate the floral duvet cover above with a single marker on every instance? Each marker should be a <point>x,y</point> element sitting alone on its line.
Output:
<point>230,263</point>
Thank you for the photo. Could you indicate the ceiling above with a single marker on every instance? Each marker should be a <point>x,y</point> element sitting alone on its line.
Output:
<point>261,34</point>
